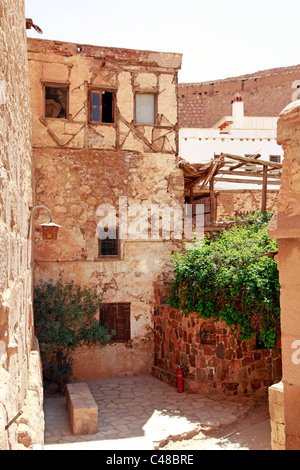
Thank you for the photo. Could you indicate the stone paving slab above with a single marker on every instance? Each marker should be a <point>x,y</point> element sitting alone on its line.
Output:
<point>141,413</point>
<point>253,432</point>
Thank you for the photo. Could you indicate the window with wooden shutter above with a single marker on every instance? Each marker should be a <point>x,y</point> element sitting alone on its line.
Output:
<point>102,106</point>
<point>116,316</point>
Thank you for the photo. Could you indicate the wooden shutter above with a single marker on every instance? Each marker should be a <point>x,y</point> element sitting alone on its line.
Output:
<point>96,106</point>
<point>107,315</point>
<point>117,317</point>
<point>123,322</point>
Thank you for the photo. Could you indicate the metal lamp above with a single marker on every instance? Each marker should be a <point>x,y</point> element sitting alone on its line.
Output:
<point>50,229</point>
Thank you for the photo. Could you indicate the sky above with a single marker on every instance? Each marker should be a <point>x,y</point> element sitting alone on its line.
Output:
<point>218,38</point>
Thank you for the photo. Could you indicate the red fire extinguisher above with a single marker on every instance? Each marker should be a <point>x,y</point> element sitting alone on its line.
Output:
<point>179,380</point>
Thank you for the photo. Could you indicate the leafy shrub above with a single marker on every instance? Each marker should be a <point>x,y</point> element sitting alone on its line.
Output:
<point>225,279</point>
<point>65,317</point>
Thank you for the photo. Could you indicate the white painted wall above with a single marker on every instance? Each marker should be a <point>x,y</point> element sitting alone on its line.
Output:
<point>243,136</point>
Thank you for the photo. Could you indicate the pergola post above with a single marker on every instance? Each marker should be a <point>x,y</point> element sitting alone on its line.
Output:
<point>264,189</point>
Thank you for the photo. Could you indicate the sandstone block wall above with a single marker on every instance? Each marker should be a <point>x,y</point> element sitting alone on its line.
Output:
<point>20,383</point>
<point>265,93</point>
<point>286,228</point>
<point>211,356</point>
<point>231,202</point>
<point>276,408</point>
<point>81,165</point>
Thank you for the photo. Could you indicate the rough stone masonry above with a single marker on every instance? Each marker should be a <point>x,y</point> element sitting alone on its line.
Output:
<point>21,388</point>
<point>90,147</point>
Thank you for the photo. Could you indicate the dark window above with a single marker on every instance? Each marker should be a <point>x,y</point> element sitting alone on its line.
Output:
<point>275,158</point>
<point>101,106</point>
<point>116,317</point>
<point>56,101</point>
<point>109,247</point>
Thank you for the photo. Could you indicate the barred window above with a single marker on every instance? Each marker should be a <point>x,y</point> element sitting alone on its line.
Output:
<point>110,247</point>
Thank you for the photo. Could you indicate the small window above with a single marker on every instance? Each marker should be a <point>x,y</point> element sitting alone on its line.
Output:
<point>56,101</point>
<point>110,247</point>
<point>116,316</point>
<point>145,108</point>
<point>275,158</point>
<point>102,106</point>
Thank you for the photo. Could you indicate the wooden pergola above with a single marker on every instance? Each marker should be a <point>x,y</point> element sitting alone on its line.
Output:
<point>200,179</point>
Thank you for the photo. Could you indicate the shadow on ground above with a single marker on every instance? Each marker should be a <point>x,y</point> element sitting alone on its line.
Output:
<point>142,413</point>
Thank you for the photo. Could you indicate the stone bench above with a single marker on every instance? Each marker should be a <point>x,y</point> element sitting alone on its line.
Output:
<point>82,408</point>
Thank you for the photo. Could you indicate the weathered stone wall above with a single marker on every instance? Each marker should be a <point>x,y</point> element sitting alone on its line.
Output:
<point>81,165</point>
<point>212,357</point>
<point>265,93</point>
<point>122,71</point>
<point>276,408</point>
<point>20,371</point>
<point>229,203</point>
<point>285,227</point>
<point>73,186</point>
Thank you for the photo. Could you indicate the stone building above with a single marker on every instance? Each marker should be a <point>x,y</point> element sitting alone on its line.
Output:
<point>235,134</point>
<point>203,107</point>
<point>265,93</point>
<point>105,128</point>
<point>21,390</point>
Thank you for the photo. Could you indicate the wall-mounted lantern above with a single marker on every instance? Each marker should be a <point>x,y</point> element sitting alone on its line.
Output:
<point>50,229</point>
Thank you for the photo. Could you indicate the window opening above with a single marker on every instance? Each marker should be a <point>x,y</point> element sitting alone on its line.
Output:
<point>110,247</point>
<point>116,316</point>
<point>275,158</point>
<point>145,108</point>
<point>102,106</point>
<point>56,102</point>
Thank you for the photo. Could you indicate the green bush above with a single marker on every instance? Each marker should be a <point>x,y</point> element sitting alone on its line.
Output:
<point>225,279</point>
<point>65,317</point>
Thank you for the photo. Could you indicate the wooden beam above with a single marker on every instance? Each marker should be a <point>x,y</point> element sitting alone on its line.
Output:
<point>210,175</point>
<point>241,164</point>
<point>264,190</point>
<point>191,196</point>
<point>269,169</point>
<point>214,170</point>
<point>212,201</point>
<point>197,192</point>
<point>256,174</point>
<point>206,178</point>
<point>251,160</point>
<point>245,181</point>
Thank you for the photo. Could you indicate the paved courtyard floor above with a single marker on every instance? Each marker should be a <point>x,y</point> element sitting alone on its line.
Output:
<point>143,413</point>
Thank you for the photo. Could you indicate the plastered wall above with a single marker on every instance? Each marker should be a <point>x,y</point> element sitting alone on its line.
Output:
<point>81,165</point>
